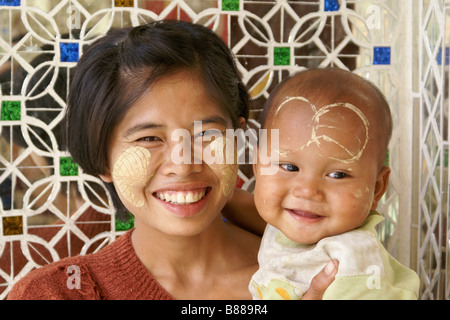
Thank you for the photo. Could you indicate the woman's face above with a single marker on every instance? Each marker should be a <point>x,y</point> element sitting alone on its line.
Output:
<point>158,174</point>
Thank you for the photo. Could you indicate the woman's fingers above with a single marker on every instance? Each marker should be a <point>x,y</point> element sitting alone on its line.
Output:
<point>322,281</point>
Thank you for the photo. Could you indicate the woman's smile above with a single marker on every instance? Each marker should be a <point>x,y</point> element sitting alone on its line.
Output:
<point>181,197</point>
<point>183,203</point>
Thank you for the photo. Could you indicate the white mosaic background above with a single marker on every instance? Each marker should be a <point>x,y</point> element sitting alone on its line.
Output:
<point>402,46</point>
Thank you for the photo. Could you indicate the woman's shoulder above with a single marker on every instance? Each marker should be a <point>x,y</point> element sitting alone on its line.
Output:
<point>70,278</point>
<point>113,273</point>
<point>65,279</point>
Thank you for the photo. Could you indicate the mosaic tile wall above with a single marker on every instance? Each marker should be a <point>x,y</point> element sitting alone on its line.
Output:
<point>51,209</point>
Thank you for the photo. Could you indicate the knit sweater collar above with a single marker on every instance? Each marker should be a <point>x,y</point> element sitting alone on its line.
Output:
<point>124,276</point>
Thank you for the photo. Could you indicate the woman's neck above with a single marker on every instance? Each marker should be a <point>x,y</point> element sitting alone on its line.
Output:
<point>187,267</point>
<point>171,249</point>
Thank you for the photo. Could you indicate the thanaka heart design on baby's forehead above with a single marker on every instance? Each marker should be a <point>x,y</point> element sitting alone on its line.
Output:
<point>324,117</point>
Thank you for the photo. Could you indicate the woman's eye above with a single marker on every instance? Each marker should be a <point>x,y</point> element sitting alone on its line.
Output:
<point>149,139</point>
<point>338,175</point>
<point>210,132</point>
<point>289,167</point>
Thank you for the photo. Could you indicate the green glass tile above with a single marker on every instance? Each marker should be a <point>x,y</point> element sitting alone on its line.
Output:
<point>230,5</point>
<point>10,110</point>
<point>438,163</point>
<point>124,3</point>
<point>127,224</point>
<point>67,167</point>
<point>12,225</point>
<point>281,56</point>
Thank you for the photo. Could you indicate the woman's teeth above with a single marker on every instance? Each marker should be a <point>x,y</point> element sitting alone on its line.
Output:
<point>181,197</point>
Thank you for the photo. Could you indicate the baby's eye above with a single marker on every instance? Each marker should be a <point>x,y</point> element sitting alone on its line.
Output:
<point>338,175</point>
<point>289,167</point>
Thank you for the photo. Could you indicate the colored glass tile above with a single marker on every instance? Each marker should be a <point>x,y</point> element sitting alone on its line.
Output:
<point>446,58</point>
<point>69,52</point>
<point>125,224</point>
<point>331,5</point>
<point>10,110</point>
<point>382,55</point>
<point>230,5</point>
<point>124,3</point>
<point>11,3</point>
<point>67,167</point>
<point>438,162</point>
<point>12,225</point>
<point>281,56</point>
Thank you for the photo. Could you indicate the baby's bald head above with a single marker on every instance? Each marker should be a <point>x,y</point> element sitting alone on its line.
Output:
<point>323,87</point>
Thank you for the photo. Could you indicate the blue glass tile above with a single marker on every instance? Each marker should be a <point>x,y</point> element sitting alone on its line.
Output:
<point>382,55</point>
<point>11,3</point>
<point>331,5</point>
<point>69,52</point>
<point>446,58</point>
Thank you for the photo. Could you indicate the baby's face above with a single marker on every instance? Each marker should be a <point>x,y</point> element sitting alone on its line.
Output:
<point>328,169</point>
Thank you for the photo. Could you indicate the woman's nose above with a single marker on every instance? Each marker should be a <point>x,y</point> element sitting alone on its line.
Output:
<point>180,160</point>
<point>308,187</point>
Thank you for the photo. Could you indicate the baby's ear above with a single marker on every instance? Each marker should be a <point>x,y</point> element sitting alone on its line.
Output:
<point>381,185</point>
<point>255,157</point>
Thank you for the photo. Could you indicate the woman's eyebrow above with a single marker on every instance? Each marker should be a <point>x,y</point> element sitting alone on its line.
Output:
<point>142,126</point>
<point>215,119</point>
<point>150,125</point>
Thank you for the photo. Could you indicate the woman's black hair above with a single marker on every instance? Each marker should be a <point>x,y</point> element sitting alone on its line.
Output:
<point>116,70</point>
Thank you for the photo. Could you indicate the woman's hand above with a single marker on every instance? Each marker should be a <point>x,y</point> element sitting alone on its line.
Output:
<point>322,281</point>
<point>241,211</point>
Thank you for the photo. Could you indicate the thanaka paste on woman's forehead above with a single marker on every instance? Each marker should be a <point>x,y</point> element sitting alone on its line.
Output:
<point>131,174</point>
<point>224,153</point>
<point>316,125</point>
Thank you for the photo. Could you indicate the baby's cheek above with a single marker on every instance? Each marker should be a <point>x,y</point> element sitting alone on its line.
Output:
<point>361,197</point>
<point>224,166</point>
<point>131,174</point>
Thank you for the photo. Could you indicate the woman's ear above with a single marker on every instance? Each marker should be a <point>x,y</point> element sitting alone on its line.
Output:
<point>381,185</point>
<point>242,121</point>
<point>106,177</point>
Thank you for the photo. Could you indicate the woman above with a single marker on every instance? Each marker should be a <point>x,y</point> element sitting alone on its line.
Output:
<point>135,94</point>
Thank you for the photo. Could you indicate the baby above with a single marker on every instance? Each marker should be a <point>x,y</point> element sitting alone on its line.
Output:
<point>319,202</point>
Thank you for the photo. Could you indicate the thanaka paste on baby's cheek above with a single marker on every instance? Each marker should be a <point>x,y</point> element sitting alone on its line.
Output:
<point>131,173</point>
<point>224,165</point>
